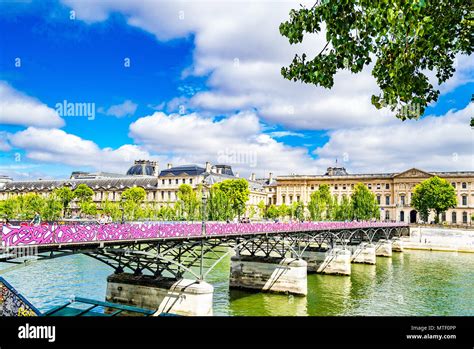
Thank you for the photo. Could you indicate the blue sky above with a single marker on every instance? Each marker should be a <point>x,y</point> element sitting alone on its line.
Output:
<point>203,84</point>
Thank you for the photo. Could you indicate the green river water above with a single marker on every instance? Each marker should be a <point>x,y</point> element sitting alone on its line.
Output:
<point>410,283</point>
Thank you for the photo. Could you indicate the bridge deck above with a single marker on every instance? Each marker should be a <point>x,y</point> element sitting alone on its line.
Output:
<point>61,236</point>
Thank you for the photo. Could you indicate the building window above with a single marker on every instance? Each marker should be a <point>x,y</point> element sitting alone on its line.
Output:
<point>378,186</point>
<point>312,187</point>
<point>283,199</point>
<point>177,181</point>
<point>453,184</point>
<point>190,181</point>
<point>387,215</point>
<point>378,199</point>
<point>163,181</point>
<point>387,200</point>
<point>402,216</point>
<point>184,180</point>
<point>291,199</point>
<point>453,217</point>
<point>298,198</point>
<point>169,181</point>
<point>402,200</point>
<point>162,195</point>
<point>443,216</point>
<point>464,217</point>
<point>344,187</point>
<point>464,200</point>
<point>464,185</point>
<point>369,186</point>
<point>169,194</point>
<point>387,186</point>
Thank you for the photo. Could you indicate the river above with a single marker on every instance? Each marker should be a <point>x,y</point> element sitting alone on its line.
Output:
<point>418,283</point>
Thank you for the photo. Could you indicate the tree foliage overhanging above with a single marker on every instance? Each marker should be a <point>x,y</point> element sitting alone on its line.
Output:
<point>406,39</point>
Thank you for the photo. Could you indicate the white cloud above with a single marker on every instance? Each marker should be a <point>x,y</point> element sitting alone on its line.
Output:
<point>59,147</point>
<point>434,143</point>
<point>239,45</point>
<point>126,108</point>
<point>4,144</point>
<point>17,108</point>
<point>236,140</point>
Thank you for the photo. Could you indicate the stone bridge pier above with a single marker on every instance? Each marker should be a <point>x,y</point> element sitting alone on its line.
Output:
<point>336,261</point>
<point>165,295</point>
<point>383,248</point>
<point>364,253</point>
<point>269,274</point>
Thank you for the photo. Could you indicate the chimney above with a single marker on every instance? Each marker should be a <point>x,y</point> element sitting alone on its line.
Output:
<point>237,174</point>
<point>208,167</point>
<point>219,170</point>
<point>252,177</point>
<point>169,165</point>
<point>156,172</point>
<point>270,176</point>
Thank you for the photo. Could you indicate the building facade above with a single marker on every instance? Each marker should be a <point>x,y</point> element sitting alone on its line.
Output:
<point>392,190</point>
<point>161,186</point>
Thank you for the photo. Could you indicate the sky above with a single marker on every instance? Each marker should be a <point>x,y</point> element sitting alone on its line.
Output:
<point>185,82</point>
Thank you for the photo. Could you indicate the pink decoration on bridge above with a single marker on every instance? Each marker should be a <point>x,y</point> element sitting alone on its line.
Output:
<point>66,234</point>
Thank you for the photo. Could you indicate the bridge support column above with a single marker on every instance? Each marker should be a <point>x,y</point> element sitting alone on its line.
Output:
<point>269,274</point>
<point>383,248</point>
<point>397,245</point>
<point>364,253</point>
<point>336,261</point>
<point>182,297</point>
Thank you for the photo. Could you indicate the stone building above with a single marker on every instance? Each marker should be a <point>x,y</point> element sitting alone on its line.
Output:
<point>393,191</point>
<point>161,186</point>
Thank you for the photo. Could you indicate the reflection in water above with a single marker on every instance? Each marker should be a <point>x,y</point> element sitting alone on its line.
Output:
<point>255,304</point>
<point>409,283</point>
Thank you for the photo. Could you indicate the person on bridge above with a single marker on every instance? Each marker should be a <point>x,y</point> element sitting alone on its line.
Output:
<point>36,219</point>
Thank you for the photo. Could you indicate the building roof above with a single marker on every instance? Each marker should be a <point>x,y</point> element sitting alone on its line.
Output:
<point>190,170</point>
<point>341,175</point>
<point>94,184</point>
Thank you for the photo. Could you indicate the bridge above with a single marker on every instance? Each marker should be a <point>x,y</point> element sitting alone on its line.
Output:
<point>164,266</point>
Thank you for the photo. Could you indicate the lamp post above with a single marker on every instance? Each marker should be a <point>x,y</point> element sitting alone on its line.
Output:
<point>123,209</point>
<point>203,226</point>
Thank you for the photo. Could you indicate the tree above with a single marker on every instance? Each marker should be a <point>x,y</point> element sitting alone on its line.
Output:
<point>52,208</point>
<point>237,191</point>
<point>32,203</point>
<point>189,201</point>
<point>364,203</point>
<point>261,208</point>
<point>297,210</point>
<point>111,209</point>
<point>65,195</point>
<point>11,208</point>
<point>406,38</point>
<point>83,193</point>
<point>433,194</point>
<point>133,199</point>
<point>344,209</point>
<point>321,203</point>
<point>88,208</point>
<point>219,207</point>
<point>283,211</point>
<point>252,211</point>
<point>272,212</point>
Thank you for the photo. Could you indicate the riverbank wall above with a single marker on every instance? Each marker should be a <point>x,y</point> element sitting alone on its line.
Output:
<point>439,239</point>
